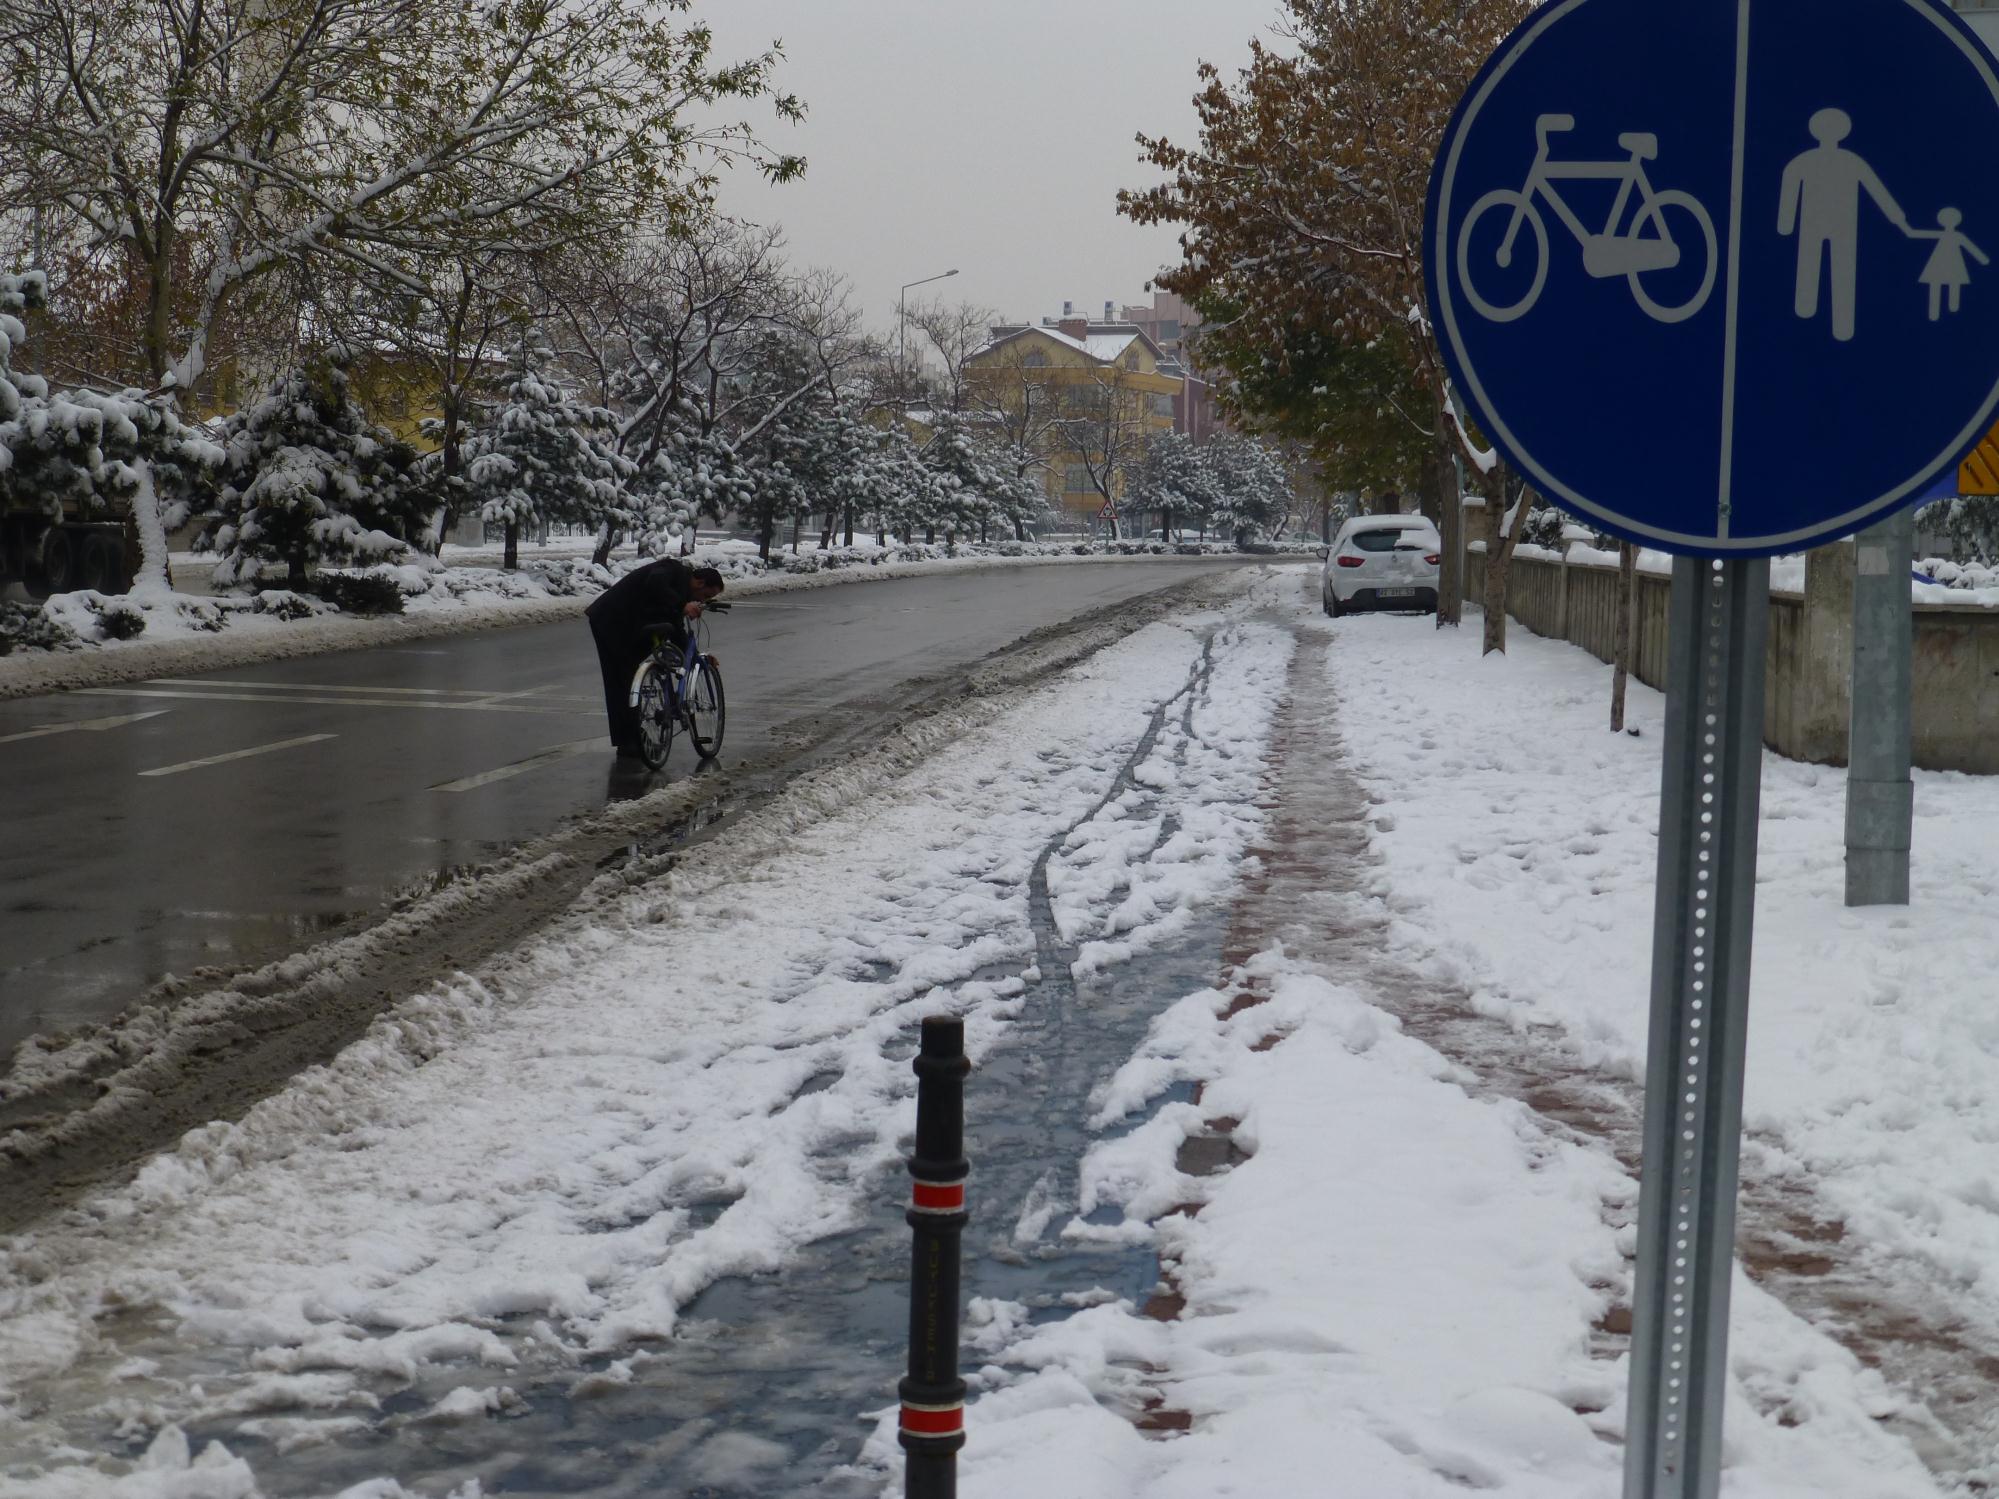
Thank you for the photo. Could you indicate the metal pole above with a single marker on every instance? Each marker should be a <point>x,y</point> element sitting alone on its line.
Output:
<point>1710,787</point>
<point>1880,801</point>
<point>933,1396</point>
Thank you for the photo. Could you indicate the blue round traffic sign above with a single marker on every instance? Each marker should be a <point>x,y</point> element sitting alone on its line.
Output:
<point>1722,276</point>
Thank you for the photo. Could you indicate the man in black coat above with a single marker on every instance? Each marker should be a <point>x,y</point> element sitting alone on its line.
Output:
<point>661,593</point>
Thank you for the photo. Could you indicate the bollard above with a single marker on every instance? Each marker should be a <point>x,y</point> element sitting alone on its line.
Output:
<point>933,1396</point>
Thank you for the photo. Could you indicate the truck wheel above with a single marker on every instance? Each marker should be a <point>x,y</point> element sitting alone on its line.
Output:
<point>59,561</point>
<point>103,567</point>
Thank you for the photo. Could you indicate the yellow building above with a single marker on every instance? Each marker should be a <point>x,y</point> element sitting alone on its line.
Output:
<point>1085,395</point>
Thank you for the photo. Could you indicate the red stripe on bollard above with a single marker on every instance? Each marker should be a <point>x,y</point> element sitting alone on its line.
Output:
<point>937,1197</point>
<point>929,1421</point>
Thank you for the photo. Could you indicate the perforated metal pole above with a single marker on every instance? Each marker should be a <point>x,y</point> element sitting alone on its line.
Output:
<point>1880,799</point>
<point>1713,761</point>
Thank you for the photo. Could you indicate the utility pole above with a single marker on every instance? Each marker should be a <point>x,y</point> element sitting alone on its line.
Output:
<point>1880,801</point>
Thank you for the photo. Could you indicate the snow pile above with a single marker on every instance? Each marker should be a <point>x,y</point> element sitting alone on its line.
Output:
<point>507,1176</point>
<point>1397,1290</point>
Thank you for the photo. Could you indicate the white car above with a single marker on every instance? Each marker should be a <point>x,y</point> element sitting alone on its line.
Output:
<point>1382,562</point>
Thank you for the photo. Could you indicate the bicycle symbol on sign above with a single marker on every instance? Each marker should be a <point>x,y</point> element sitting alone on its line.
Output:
<point>1645,245</point>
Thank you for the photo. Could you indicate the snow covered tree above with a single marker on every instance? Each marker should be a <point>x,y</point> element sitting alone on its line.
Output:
<point>308,479</point>
<point>543,454</point>
<point>1175,479</point>
<point>371,133</point>
<point>1301,211</point>
<point>1251,487</point>
<point>980,488</point>
<point>92,454</point>
<point>1970,521</point>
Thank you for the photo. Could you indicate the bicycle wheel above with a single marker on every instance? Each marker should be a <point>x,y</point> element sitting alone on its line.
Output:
<point>1492,261</point>
<point>706,707</point>
<point>655,710</point>
<point>1650,222</point>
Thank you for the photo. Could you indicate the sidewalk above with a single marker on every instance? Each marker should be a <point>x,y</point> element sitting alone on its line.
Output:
<point>1416,1278</point>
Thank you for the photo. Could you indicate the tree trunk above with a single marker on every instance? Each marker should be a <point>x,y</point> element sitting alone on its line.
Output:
<point>1019,529</point>
<point>510,559</point>
<point>826,531</point>
<point>1451,529</point>
<point>1627,629</point>
<point>766,533</point>
<point>930,536</point>
<point>848,516</point>
<point>1500,542</point>
<point>797,529</point>
<point>607,542</point>
<point>159,302</point>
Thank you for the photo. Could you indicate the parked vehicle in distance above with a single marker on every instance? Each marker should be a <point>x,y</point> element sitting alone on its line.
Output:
<point>1382,562</point>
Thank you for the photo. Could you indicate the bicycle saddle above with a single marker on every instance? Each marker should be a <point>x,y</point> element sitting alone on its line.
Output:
<point>1642,144</point>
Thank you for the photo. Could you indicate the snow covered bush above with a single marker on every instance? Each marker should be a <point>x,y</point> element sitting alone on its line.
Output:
<point>118,618</point>
<point>360,593</point>
<point>309,480</point>
<point>282,603</point>
<point>32,627</point>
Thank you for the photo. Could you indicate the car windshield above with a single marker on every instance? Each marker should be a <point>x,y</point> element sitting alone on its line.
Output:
<point>1383,538</point>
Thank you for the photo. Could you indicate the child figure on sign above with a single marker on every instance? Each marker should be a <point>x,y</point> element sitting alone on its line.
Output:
<point>1946,269</point>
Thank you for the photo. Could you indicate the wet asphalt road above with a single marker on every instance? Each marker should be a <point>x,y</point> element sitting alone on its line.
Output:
<point>233,818</point>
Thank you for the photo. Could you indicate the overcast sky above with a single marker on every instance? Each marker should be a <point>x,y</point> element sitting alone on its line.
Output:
<point>989,135</point>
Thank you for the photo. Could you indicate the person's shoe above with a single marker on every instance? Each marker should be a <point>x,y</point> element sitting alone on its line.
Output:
<point>629,752</point>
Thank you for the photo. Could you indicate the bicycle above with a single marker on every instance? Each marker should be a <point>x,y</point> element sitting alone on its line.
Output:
<point>1631,254</point>
<point>685,687</point>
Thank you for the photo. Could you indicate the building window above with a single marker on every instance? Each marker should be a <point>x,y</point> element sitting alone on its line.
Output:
<point>1162,405</point>
<point>1077,480</point>
<point>1169,328</point>
<point>1033,359</point>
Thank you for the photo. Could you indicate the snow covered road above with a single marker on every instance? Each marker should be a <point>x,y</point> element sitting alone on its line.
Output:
<point>1303,964</point>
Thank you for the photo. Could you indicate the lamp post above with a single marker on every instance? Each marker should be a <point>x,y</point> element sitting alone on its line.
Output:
<point>901,325</point>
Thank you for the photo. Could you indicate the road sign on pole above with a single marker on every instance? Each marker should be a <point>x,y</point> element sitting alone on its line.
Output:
<point>1666,245</point>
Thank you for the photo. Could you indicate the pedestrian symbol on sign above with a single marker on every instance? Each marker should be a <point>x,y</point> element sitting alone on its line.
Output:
<point>1820,201</point>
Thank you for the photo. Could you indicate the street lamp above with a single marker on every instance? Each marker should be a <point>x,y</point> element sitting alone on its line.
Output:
<point>901,325</point>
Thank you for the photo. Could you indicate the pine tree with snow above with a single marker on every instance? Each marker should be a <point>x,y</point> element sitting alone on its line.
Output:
<point>93,455</point>
<point>308,479</point>
<point>543,454</point>
<point>1970,521</point>
<point>1176,481</point>
<point>1251,487</point>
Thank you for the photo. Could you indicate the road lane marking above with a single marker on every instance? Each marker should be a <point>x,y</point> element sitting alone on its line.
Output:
<point>85,725</point>
<point>318,687</point>
<point>241,754</point>
<point>326,702</point>
<point>532,762</point>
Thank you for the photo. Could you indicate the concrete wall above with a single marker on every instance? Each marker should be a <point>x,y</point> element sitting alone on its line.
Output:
<point>1810,655</point>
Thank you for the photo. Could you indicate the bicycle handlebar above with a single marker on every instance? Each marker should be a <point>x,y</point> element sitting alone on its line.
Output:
<point>716,606</point>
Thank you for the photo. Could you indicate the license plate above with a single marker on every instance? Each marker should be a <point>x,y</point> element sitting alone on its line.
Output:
<point>1395,593</point>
